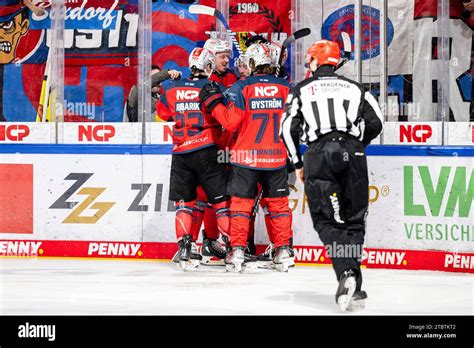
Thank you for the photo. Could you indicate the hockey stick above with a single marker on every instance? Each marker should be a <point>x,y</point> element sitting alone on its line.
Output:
<point>45,91</point>
<point>210,11</point>
<point>288,41</point>
<point>346,40</point>
<point>257,203</point>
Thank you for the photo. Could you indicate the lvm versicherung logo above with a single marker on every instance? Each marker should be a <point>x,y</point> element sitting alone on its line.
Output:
<point>445,198</point>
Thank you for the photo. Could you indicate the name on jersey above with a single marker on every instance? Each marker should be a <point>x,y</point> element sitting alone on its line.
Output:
<point>260,103</point>
<point>188,106</point>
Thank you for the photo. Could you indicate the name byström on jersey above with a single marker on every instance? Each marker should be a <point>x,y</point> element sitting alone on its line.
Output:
<point>259,104</point>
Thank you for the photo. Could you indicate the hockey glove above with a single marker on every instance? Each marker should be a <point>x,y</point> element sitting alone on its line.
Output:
<point>211,96</point>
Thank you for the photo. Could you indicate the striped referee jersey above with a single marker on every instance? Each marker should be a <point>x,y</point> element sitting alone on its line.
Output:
<point>328,103</point>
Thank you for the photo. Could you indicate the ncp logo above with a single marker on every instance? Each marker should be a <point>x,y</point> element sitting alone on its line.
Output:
<point>186,95</point>
<point>91,193</point>
<point>96,132</point>
<point>14,132</point>
<point>268,91</point>
<point>418,133</point>
<point>342,20</point>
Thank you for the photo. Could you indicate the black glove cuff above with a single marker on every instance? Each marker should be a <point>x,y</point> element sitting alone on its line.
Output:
<point>299,165</point>
<point>213,101</point>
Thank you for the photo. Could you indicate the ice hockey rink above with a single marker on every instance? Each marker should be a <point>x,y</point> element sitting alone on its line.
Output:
<point>90,287</point>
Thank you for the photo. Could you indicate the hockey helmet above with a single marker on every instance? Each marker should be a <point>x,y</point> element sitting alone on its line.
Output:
<point>324,52</point>
<point>217,46</point>
<point>275,51</point>
<point>201,58</point>
<point>243,60</point>
<point>260,54</point>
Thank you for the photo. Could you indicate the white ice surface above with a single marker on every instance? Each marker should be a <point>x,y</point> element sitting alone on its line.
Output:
<point>75,287</point>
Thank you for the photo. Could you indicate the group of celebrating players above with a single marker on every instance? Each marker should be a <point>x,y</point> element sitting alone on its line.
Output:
<point>215,111</point>
<point>259,120</point>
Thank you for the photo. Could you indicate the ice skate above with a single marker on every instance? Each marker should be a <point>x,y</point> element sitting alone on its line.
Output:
<point>237,260</point>
<point>195,257</point>
<point>265,260</point>
<point>213,253</point>
<point>187,255</point>
<point>251,248</point>
<point>283,258</point>
<point>234,261</point>
<point>346,289</point>
<point>358,301</point>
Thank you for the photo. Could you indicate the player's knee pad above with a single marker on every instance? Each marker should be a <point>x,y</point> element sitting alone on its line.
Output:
<point>185,207</point>
<point>244,205</point>
<point>200,206</point>
<point>221,209</point>
<point>278,205</point>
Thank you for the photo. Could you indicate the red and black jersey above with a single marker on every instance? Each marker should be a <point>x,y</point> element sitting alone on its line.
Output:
<point>226,79</point>
<point>194,128</point>
<point>255,108</point>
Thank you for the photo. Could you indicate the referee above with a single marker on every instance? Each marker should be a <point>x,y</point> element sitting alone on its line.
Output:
<point>337,119</point>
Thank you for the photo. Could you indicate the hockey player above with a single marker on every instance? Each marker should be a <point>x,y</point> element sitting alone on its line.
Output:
<point>244,70</point>
<point>266,258</point>
<point>338,119</point>
<point>275,50</point>
<point>211,248</point>
<point>258,156</point>
<point>194,160</point>
<point>221,72</point>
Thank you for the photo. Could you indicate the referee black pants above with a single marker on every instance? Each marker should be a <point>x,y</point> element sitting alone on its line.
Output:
<point>336,183</point>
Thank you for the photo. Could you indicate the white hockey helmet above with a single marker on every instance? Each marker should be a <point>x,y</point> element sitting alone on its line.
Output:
<point>201,58</point>
<point>217,46</point>
<point>243,60</point>
<point>260,54</point>
<point>275,50</point>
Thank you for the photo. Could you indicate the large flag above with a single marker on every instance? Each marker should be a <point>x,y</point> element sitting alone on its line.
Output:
<point>329,18</point>
<point>427,63</point>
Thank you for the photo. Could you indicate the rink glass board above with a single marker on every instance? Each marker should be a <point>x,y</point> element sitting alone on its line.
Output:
<point>102,200</point>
